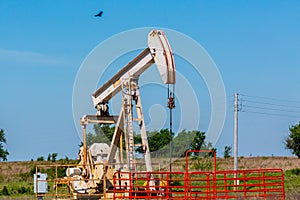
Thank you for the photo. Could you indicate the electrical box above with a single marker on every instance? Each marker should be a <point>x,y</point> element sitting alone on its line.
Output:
<point>40,183</point>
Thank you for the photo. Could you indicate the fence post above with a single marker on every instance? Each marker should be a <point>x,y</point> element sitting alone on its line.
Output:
<point>282,179</point>
<point>225,185</point>
<point>208,190</point>
<point>186,185</point>
<point>264,184</point>
<point>245,184</point>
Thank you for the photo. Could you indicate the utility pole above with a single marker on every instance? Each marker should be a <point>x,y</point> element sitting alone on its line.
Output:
<point>236,110</point>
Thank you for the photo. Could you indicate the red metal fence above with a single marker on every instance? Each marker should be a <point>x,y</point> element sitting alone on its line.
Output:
<point>255,184</point>
<point>241,184</point>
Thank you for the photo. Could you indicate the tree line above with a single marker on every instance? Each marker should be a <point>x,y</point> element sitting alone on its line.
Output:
<point>158,141</point>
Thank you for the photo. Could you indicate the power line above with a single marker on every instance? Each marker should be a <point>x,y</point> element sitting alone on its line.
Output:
<point>272,104</point>
<point>271,114</point>
<point>270,98</point>
<point>275,109</point>
<point>258,105</point>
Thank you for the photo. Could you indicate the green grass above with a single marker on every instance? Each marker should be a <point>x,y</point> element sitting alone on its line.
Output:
<point>18,179</point>
<point>292,181</point>
<point>16,189</point>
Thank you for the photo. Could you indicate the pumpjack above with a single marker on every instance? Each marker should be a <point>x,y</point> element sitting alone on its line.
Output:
<point>88,176</point>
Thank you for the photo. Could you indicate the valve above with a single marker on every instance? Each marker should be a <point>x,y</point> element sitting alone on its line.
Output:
<point>171,101</point>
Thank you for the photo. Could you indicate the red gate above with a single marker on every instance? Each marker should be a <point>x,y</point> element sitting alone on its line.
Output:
<point>240,184</point>
<point>251,184</point>
<point>255,184</point>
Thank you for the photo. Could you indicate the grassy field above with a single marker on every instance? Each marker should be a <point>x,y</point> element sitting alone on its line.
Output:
<point>16,178</point>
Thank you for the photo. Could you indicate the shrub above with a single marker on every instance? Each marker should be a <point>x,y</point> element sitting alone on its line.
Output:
<point>41,158</point>
<point>5,191</point>
<point>22,190</point>
<point>296,171</point>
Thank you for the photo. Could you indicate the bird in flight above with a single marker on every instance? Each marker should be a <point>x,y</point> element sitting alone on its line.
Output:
<point>99,14</point>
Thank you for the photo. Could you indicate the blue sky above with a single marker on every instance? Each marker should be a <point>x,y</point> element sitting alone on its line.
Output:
<point>255,45</point>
